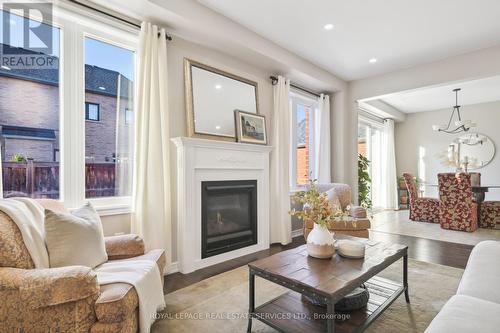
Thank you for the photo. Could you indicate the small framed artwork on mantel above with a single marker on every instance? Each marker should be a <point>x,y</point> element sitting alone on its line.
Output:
<point>250,127</point>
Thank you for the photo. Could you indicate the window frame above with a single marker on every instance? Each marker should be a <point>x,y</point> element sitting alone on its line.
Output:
<point>297,97</point>
<point>76,24</point>
<point>87,111</point>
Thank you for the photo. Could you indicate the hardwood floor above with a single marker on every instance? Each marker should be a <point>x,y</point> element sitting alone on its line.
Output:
<point>422,249</point>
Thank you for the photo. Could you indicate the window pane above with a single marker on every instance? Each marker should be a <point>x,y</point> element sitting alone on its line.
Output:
<point>29,109</point>
<point>92,111</point>
<point>109,76</point>
<point>303,140</point>
<point>129,117</point>
<point>362,142</point>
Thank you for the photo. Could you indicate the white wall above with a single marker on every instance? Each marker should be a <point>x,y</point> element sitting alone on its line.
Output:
<point>415,135</point>
<point>465,67</point>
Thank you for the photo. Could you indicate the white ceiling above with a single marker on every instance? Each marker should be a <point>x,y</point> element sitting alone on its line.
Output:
<point>436,98</point>
<point>399,33</point>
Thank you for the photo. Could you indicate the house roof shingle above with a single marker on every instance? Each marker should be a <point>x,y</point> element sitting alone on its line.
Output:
<point>96,78</point>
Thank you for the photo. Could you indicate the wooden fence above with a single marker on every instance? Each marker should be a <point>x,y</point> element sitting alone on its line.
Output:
<point>41,179</point>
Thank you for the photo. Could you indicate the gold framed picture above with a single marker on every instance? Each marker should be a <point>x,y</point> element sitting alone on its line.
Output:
<point>250,127</point>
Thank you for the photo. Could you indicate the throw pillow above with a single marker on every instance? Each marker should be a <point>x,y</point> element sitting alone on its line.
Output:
<point>334,199</point>
<point>76,238</point>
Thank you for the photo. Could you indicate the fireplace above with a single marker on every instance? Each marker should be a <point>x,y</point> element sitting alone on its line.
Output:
<point>229,216</point>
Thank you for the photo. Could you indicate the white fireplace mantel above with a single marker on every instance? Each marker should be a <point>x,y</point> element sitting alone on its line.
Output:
<point>201,160</point>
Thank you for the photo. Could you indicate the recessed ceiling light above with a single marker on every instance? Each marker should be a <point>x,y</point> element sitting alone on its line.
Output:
<point>372,60</point>
<point>217,127</point>
<point>218,86</point>
<point>328,26</point>
<point>102,88</point>
<point>6,67</point>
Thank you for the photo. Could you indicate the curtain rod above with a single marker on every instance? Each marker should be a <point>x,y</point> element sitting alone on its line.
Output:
<point>274,80</point>
<point>122,19</point>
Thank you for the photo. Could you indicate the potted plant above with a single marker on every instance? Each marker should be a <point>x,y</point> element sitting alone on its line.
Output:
<point>364,182</point>
<point>19,158</point>
<point>318,209</point>
<point>401,183</point>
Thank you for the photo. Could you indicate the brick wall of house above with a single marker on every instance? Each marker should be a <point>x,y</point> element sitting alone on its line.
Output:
<point>303,157</point>
<point>39,150</point>
<point>32,104</point>
<point>362,148</point>
<point>100,136</point>
<point>29,104</point>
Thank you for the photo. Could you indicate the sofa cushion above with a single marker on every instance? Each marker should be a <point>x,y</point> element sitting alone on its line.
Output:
<point>482,273</point>
<point>465,314</point>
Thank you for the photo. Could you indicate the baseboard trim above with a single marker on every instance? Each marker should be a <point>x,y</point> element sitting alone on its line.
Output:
<point>297,233</point>
<point>172,268</point>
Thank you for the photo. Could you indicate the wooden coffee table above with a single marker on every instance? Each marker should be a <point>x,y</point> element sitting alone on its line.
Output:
<point>326,282</point>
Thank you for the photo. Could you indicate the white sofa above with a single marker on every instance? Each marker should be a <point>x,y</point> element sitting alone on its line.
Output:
<point>476,306</point>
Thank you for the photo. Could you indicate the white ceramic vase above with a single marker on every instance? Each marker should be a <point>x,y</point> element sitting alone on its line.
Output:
<point>320,242</point>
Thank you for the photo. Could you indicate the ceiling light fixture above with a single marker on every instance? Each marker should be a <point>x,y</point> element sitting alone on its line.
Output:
<point>461,125</point>
<point>102,88</point>
<point>218,86</point>
<point>372,60</point>
<point>328,26</point>
<point>7,68</point>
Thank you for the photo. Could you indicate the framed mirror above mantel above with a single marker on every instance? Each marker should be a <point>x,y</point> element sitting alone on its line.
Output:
<point>212,96</point>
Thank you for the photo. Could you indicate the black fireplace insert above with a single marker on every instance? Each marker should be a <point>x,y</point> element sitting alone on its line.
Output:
<point>229,216</point>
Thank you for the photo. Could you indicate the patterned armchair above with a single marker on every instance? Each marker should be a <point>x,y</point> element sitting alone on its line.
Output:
<point>457,210</point>
<point>65,299</point>
<point>357,227</point>
<point>490,215</point>
<point>421,209</point>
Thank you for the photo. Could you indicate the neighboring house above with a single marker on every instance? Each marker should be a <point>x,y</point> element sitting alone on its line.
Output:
<point>29,114</point>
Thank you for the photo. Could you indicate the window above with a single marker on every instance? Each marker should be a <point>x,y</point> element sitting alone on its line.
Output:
<point>48,149</point>
<point>302,155</point>
<point>29,112</point>
<point>109,77</point>
<point>92,111</point>
<point>370,145</point>
<point>129,117</point>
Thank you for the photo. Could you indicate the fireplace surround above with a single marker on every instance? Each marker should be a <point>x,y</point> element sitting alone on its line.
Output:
<point>199,162</point>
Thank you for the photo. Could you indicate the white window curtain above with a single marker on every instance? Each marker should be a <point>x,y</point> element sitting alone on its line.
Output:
<point>322,171</point>
<point>280,222</point>
<point>151,216</point>
<point>384,177</point>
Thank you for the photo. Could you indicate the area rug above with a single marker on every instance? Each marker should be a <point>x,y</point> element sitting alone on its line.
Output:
<point>398,222</point>
<point>220,303</point>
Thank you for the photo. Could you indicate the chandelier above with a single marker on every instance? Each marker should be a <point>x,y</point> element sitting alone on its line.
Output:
<point>460,125</point>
